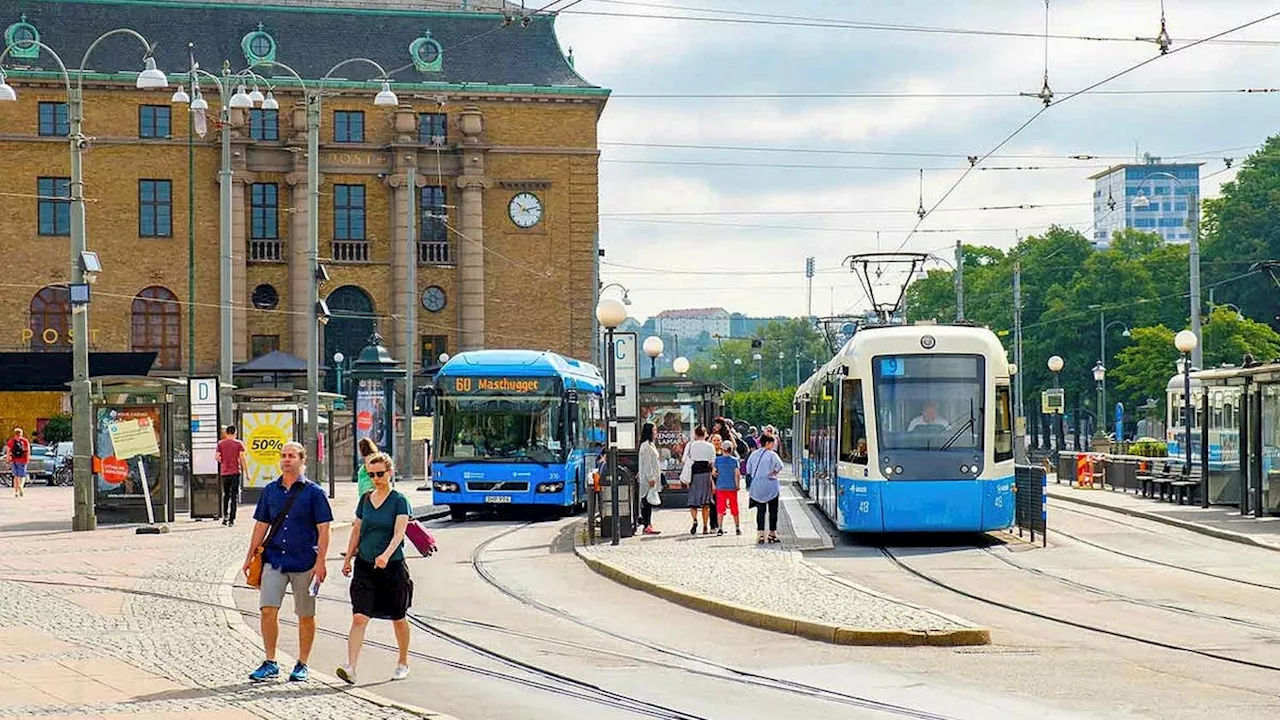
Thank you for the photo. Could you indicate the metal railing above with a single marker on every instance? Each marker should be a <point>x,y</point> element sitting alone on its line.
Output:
<point>351,251</point>
<point>1031,509</point>
<point>435,252</point>
<point>266,251</point>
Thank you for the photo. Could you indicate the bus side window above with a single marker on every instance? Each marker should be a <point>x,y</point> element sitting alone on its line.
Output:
<point>853,425</point>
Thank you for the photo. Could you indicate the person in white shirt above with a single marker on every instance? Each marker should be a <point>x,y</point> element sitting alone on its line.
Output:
<point>763,467</point>
<point>699,456</point>
<point>928,416</point>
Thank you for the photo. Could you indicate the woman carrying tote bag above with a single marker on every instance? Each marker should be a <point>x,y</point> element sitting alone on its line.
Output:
<point>649,478</point>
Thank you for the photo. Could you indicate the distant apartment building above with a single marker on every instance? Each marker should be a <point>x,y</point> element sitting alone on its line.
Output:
<point>1152,196</point>
<point>690,323</point>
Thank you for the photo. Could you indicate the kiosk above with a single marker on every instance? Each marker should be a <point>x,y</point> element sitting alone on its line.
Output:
<point>675,406</point>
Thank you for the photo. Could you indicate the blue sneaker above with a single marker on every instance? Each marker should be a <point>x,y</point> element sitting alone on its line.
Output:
<point>268,670</point>
<point>299,673</point>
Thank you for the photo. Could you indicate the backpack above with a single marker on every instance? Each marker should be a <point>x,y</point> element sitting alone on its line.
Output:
<point>18,449</point>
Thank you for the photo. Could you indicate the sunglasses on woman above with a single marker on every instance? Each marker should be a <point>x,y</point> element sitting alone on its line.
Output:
<point>379,473</point>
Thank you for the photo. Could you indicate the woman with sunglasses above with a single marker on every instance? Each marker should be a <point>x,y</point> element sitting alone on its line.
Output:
<point>381,586</point>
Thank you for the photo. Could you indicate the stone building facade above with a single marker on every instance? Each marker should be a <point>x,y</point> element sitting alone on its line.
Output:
<point>498,128</point>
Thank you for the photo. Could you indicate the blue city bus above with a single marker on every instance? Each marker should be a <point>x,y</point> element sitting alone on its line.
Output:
<point>516,428</point>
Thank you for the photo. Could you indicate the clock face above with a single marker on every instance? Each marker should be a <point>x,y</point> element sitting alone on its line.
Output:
<point>433,299</point>
<point>525,210</point>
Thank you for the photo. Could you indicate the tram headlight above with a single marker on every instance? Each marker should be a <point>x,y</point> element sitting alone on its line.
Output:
<point>898,470</point>
<point>964,469</point>
<point>888,471</point>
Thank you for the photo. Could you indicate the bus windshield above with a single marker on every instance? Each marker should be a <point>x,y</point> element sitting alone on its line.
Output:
<point>496,428</point>
<point>929,402</point>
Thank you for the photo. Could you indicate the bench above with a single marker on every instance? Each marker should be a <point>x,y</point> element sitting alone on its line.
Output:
<point>1169,482</point>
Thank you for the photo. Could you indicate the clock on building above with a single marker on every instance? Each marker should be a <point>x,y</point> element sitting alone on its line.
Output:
<point>525,210</point>
<point>433,298</point>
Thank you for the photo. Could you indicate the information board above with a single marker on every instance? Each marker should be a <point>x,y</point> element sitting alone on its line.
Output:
<point>203,395</point>
<point>626,388</point>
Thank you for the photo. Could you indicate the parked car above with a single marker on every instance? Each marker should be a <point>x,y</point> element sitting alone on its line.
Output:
<point>62,452</point>
<point>41,464</point>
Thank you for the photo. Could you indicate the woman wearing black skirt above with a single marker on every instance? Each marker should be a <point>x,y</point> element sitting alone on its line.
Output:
<point>380,586</point>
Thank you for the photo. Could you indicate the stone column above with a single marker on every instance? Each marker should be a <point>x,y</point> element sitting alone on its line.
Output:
<point>295,251</point>
<point>401,254</point>
<point>470,245</point>
<point>240,183</point>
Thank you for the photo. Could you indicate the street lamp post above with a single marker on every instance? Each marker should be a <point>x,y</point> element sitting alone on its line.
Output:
<point>611,313</point>
<point>384,98</point>
<point>151,78</point>
<point>1186,342</point>
<point>781,356</point>
<point>733,375</point>
<point>1103,326</point>
<point>759,369</point>
<point>1099,377</point>
<point>653,347</point>
<point>1193,254</point>
<point>680,365</point>
<point>1055,366</point>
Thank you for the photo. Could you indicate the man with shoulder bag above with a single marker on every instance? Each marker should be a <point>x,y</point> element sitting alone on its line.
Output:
<point>288,549</point>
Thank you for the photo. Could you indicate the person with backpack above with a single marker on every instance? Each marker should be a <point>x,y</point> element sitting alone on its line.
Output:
<point>380,586</point>
<point>19,451</point>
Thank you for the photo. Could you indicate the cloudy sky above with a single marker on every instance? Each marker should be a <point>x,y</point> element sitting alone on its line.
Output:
<point>715,185</point>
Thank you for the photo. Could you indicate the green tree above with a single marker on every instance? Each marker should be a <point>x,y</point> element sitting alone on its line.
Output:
<point>1241,228</point>
<point>768,407</point>
<point>57,430</point>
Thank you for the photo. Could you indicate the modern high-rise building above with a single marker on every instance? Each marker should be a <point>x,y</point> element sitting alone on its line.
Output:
<point>1152,196</point>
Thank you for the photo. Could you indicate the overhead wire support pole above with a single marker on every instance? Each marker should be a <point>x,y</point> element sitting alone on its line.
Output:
<point>959,281</point>
<point>1020,418</point>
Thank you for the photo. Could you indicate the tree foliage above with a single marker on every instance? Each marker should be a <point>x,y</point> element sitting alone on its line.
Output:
<point>57,430</point>
<point>760,408</point>
<point>787,348</point>
<point>1240,228</point>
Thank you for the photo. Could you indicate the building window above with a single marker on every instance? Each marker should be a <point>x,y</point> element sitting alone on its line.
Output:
<point>264,124</point>
<point>264,211</point>
<point>262,344</point>
<point>348,212</point>
<point>51,320</point>
<point>153,121</point>
<point>53,119</point>
<point>433,228</point>
<point>433,128</point>
<point>155,326</point>
<point>348,126</point>
<point>265,297</point>
<point>155,208</point>
<point>54,205</point>
<point>432,347</point>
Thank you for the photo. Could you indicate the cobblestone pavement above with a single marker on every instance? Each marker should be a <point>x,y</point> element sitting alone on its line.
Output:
<point>71,647</point>
<point>770,577</point>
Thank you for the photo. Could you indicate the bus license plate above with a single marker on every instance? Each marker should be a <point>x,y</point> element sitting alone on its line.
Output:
<point>497,498</point>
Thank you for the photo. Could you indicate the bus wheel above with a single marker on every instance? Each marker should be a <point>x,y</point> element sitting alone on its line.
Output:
<point>457,514</point>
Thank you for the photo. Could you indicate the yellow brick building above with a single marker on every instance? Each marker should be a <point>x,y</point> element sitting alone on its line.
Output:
<point>499,128</point>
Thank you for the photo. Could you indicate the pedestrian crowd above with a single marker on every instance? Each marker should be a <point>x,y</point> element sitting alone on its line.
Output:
<point>717,464</point>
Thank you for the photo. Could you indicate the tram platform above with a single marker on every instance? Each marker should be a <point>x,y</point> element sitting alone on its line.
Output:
<point>1218,521</point>
<point>770,586</point>
<point>112,624</point>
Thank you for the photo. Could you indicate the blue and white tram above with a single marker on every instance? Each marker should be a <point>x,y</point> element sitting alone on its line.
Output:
<point>910,429</point>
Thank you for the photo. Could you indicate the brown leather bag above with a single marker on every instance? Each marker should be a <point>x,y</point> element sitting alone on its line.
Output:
<point>254,577</point>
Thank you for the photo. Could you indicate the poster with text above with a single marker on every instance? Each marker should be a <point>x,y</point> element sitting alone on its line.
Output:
<point>371,413</point>
<point>673,425</point>
<point>265,434</point>
<point>139,431</point>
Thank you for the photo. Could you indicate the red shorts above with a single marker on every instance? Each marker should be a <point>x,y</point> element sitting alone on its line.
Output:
<point>727,497</point>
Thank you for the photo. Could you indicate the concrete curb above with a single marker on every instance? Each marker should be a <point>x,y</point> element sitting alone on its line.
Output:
<point>777,622</point>
<point>236,621</point>
<point>1174,522</point>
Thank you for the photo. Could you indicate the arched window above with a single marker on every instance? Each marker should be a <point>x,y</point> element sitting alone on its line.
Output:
<point>51,320</point>
<point>156,328</point>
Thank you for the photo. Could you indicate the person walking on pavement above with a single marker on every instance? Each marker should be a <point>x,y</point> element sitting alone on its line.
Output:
<point>649,478</point>
<point>763,466</point>
<point>19,451</point>
<point>727,474</point>
<point>698,458</point>
<point>231,467</point>
<point>380,586</point>
<point>367,449</point>
<point>292,526</point>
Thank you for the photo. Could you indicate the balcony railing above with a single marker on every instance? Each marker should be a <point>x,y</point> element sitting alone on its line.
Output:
<point>266,251</point>
<point>351,251</point>
<point>433,252</point>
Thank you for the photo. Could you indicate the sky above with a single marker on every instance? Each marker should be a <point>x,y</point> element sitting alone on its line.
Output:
<point>774,179</point>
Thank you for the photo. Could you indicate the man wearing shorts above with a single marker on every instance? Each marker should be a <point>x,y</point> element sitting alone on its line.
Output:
<point>293,558</point>
<point>19,451</point>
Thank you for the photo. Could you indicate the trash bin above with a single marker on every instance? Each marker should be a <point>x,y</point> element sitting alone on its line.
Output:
<point>625,512</point>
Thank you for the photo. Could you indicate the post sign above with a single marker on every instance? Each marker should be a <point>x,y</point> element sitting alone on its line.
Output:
<point>626,387</point>
<point>1053,402</point>
<point>1119,422</point>
<point>203,395</point>
<point>265,434</point>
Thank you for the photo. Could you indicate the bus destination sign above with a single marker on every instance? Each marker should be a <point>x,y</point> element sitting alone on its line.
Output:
<point>504,385</point>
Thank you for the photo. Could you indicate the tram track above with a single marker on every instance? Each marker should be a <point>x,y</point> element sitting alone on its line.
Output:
<point>722,671</point>
<point>940,583</point>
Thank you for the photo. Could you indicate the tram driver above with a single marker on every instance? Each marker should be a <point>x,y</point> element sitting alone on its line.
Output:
<point>929,417</point>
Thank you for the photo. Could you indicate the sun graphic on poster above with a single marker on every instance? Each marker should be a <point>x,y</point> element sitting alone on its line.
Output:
<point>265,434</point>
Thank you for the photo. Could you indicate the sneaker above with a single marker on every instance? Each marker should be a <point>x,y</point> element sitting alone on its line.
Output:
<point>299,674</point>
<point>652,531</point>
<point>268,670</point>
<point>737,531</point>
<point>402,672</point>
<point>720,532</point>
<point>347,674</point>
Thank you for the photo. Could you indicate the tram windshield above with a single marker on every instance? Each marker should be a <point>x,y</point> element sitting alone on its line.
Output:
<point>929,402</point>
<point>512,429</point>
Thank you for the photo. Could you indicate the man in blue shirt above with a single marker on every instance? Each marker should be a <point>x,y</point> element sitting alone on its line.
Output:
<point>294,557</point>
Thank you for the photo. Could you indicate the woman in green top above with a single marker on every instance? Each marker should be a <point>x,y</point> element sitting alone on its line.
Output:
<point>381,586</point>
<point>367,448</point>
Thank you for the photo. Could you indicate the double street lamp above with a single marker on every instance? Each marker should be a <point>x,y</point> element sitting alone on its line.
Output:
<point>83,263</point>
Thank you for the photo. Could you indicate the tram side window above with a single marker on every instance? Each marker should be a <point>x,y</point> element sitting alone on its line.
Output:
<point>853,431</point>
<point>1004,425</point>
